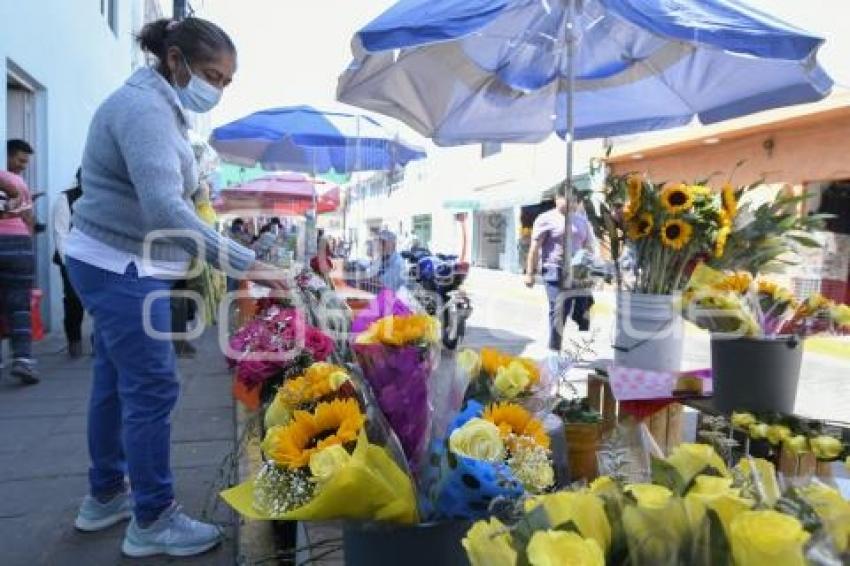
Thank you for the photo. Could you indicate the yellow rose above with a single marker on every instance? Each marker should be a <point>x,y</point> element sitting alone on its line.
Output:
<point>847,463</point>
<point>478,439</point>
<point>826,447</point>
<point>584,509</point>
<point>777,433</point>
<point>840,315</point>
<point>489,544</point>
<point>602,485</point>
<point>833,511</point>
<point>692,459</point>
<point>743,420</point>
<point>656,527</point>
<point>337,379</point>
<point>763,475</point>
<point>712,485</point>
<point>767,538</point>
<point>512,380</point>
<point>325,463</point>
<point>796,445</point>
<point>650,496</point>
<point>469,361</point>
<point>718,495</point>
<point>278,413</point>
<point>561,548</point>
<point>758,431</point>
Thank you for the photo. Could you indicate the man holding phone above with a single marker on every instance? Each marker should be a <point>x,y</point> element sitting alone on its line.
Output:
<point>17,261</point>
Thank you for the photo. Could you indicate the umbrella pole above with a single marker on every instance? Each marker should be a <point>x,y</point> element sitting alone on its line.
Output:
<point>570,39</point>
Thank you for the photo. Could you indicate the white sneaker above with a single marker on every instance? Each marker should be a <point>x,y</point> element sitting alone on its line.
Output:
<point>173,533</point>
<point>96,516</point>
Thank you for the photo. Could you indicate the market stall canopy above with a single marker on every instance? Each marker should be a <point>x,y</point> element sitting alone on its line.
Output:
<point>283,194</point>
<point>301,138</point>
<point>471,71</point>
<point>234,174</point>
<point>508,195</point>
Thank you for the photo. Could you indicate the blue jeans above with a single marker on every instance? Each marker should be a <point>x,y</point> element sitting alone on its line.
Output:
<point>17,267</point>
<point>574,303</point>
<point>134,389</point>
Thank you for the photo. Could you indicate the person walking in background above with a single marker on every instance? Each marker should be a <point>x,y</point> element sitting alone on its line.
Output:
<point>63,206</point>
<point>139,175</point>
<point>17,262</point>
<point>547,248</point>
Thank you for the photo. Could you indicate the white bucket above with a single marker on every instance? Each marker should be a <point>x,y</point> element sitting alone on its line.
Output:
<point>650,332</point>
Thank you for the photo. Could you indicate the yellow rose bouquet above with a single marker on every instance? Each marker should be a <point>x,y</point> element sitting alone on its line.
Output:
<point>320,465</point>
<point>495,376</point>
<point>495,453</point>
<point>736,303</point>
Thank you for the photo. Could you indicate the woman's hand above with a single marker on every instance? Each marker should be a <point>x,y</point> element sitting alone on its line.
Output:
<point>269,276</point>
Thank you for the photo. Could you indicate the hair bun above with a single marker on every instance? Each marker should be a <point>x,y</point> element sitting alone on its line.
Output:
<point>152,37</point>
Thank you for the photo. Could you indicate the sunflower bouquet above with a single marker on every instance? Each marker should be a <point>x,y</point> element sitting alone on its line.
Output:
<point>320,465</point>
<point>497,453</point>
<point>695,511</point>
<point>321,382</point>
<point>660,232</point>
<point>736,303</point>
<point>398,355</point>
<point>496,376</point>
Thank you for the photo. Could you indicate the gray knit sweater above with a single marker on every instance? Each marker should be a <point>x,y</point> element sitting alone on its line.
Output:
<point>139,175</point>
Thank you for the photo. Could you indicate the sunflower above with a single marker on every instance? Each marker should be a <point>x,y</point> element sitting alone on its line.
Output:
<point>513,419</point>
<point>739,282</point>
<point>730,200</point>
<point>492,359</point>
<point>402,330</point>
<point>677,198</point>
<point>640,227</point>
<point>334,423</point>
<point>676,234</point>
<point>776,293</point>
<point>634,186</point>
<point>720,241</point>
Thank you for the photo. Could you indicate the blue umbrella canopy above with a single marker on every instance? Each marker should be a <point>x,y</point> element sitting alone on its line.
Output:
<point>469,71</point>
<point>301,138</point>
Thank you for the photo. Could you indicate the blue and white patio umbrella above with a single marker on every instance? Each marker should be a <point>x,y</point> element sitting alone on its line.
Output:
<point>301,138</point>
<point>472,71</point>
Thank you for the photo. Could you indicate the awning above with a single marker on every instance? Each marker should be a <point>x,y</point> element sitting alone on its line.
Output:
<point>508,194</point>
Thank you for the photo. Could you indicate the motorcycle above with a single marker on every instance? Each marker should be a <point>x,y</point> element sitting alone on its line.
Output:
<point>436,281</point>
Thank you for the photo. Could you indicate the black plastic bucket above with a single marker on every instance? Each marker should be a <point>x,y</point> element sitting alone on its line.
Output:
<point>756,374</point>
<point>427,544</point>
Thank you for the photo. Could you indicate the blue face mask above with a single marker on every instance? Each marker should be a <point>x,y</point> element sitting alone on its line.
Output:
<point>198,95</point>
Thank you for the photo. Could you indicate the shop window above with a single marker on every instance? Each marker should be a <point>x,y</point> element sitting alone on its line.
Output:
<point>489,149</point>
<point>422,229</point>
<point>109,10</point>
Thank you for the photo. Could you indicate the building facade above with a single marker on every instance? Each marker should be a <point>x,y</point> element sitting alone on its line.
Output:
<point>60,60</point>
<point>475,201</point>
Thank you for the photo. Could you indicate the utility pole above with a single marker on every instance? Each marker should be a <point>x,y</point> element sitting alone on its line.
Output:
<point>180,7</point>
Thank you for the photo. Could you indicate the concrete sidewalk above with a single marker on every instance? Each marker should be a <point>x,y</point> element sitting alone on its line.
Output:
<point>44,460</point>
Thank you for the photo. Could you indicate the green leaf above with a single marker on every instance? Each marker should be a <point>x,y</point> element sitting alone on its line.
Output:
<point>569,527</point>
<point>666,475</point>
<point>535,520</point>
<point>806,241</point>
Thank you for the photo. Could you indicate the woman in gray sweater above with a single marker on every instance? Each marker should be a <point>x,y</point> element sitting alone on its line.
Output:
<point>134,232</point>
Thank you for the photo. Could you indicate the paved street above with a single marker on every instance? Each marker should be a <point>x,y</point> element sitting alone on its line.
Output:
<point>509,315</point>
<point>43,459</point>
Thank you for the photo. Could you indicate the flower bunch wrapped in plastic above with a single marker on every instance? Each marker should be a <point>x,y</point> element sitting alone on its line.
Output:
<point>736,303</point>
<point>498,452</point>
<point>278,342</point>
<point>718,517</point>
<point>398,356</point>
<point>320,382</point>
<point>497,376</point>
<point>321,466</point>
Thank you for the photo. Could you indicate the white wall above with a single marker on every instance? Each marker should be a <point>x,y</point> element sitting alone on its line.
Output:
<point>67,48</point>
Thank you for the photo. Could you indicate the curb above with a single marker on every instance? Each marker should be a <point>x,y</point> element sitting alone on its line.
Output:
<point>255,540</point>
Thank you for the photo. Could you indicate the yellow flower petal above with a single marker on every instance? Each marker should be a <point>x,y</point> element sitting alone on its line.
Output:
<point>560,548</point>
<point>826,447</point>
<point>488,543</point>
<point>767,538</point>
<point>584,509</point>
